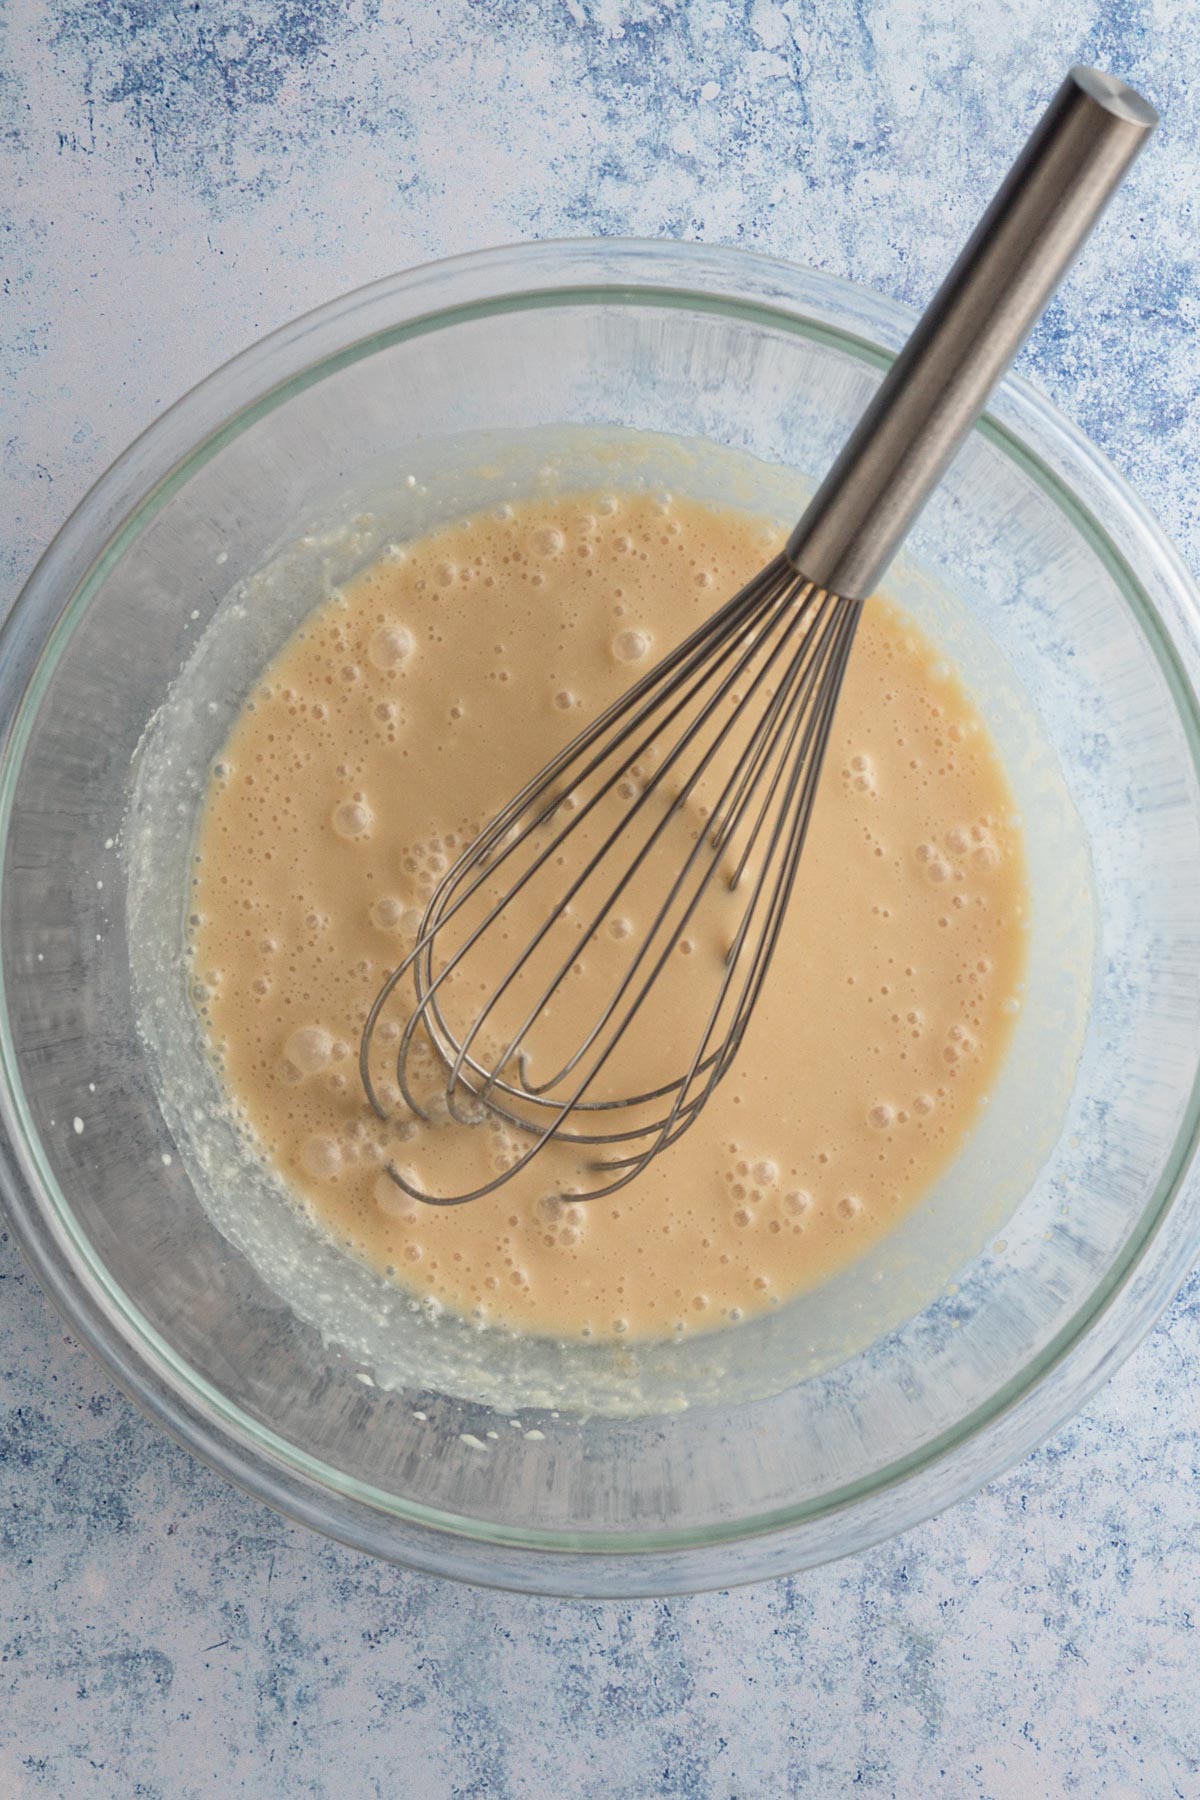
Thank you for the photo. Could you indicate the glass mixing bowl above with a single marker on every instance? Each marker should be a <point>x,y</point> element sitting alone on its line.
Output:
<point>848,1417</point>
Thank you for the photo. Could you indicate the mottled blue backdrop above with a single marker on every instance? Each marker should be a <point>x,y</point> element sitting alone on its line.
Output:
<point>176,180</point>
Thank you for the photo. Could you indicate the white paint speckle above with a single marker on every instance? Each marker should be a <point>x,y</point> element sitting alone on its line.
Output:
<point>77,1122</point>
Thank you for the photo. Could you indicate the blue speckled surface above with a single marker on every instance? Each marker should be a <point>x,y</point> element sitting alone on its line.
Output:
<point>182,179</point>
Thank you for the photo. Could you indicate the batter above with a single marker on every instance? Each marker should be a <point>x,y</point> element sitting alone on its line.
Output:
<point>402,715</point>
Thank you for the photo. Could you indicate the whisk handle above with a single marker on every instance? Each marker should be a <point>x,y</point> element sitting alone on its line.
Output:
<point>1022,247</point>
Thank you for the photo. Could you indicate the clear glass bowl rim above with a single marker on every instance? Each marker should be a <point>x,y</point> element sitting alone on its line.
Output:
<point>1086,1350</point>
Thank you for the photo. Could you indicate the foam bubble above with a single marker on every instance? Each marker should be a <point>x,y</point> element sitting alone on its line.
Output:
<point>309,1049</point>
<point>631,646</point>
<point>353,819</point>
<point>320,1156</point>
<point>392,1200</point>
<point>390,646</point>
<point>388,912</point>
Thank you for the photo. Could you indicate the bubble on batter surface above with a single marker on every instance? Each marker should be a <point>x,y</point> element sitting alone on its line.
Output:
<point>309,1049</point>
<point>861,773</point>
<point>388,912</point>
<point>630,646</point>
<point>392,1200</point>
<point>321,1156</point>
<point>391,646</point>
<point>353,819</point>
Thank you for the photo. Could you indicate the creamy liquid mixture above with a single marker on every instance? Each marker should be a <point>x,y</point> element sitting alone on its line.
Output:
<point>389,729</point>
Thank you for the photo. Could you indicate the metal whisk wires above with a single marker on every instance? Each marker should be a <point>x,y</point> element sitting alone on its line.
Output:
<point>715,755</point>
<point>681,813</point>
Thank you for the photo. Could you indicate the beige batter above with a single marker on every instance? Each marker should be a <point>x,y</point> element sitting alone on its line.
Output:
<point>403,714</point>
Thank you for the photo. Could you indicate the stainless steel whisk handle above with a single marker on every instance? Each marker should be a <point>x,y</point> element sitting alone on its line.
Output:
<point>938,386</point>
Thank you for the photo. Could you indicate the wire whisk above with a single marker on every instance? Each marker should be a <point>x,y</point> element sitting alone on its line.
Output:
<point>557,963</point>
<point>718,750</point>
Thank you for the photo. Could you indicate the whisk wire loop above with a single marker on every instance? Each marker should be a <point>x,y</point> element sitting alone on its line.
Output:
<point>756,685</point>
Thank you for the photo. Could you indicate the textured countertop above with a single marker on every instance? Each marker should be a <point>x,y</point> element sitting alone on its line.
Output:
<point>179,180</point>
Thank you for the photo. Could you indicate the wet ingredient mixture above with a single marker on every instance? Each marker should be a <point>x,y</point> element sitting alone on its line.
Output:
<point>402,715</point>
